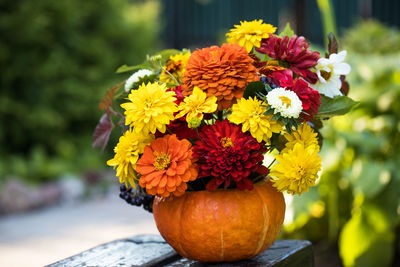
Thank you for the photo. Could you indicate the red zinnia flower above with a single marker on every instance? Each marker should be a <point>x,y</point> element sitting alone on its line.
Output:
<point>308,96</point>
<point>226,153</point>
<point>294,51</point>
<point>283,78</point>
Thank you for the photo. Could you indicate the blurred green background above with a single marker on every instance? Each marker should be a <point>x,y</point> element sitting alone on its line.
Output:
<point>59,57</point>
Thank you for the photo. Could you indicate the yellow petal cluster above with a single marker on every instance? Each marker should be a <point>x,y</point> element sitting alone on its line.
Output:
<point>304,135</point>
<point>250,113</point>
<point>176,66</point>
<point>127,151</point>
<point>297,169</point>
<point>250,33</point>
<point>195,105</point>
<point>151,108</point>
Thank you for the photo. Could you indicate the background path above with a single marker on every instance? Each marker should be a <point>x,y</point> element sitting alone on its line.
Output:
<point>42,237</point>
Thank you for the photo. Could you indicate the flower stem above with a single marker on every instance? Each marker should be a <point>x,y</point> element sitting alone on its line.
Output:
<point>269,166</point>
<point>172,76</point>
<point>220,115</point>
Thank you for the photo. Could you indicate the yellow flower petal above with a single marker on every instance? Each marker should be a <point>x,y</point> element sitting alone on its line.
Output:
<point>297,169</point>
<point>250,33</point>
<point>250,113</point>
<point>127,151</point>
<point>151,107</point>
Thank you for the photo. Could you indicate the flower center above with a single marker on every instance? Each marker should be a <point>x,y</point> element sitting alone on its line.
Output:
<point>173,66</point>
<point>162,161</point>
<point>226,142</point>
<point>274,63</point>
<point>286,100</point>
<point>300,171</point>
<point>326,75</point>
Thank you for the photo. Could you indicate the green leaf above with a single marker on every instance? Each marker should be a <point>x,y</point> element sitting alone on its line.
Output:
<point>369,179</point>
<point>269,112</point>
<point>166,53</point>
<point>268,88</point>
<point>287,31</point>
<point>295,124</point>
<point>288,128</point>
<point>339,105</point>
<point>366,239</point>
<point>276,117</point>
<point>126,68</point>
<point>253,88</point>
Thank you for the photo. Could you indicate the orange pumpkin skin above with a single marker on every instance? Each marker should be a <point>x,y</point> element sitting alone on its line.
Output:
<point>224,225</point>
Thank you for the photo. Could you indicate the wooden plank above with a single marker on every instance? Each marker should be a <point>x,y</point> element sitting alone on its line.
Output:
<point>151,250</point>
<point>283,253</point>
<point>147,250</point>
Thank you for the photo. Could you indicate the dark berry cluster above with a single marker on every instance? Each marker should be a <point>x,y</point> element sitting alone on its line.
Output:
<point>137,197</point>
<point>267,80</point>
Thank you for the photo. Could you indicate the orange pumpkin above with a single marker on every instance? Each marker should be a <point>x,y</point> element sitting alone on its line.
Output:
<point>224,225</point>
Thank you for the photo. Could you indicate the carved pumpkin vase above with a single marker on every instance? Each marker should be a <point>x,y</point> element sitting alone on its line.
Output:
<point>224,225</point>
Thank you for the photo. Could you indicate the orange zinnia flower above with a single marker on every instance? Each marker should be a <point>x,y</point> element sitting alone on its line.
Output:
<point>166,166</point>
<point>221,71</point>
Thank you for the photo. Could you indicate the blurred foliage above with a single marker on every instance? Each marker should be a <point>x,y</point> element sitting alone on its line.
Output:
<point>372,37</point>
<point>57,60</point>
<point>357,201</point>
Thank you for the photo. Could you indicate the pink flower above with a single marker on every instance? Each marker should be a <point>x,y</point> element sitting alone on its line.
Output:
<point>293,51</point>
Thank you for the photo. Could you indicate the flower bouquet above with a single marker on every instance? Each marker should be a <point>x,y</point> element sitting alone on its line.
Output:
<point>197,126</point>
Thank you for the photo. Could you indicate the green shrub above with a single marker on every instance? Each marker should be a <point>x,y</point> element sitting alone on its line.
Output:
<point>57,60</point>
<point>357,202</point>
<point>372,37</point>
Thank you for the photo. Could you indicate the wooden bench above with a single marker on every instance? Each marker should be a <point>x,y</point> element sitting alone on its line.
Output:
<point>152,250</point>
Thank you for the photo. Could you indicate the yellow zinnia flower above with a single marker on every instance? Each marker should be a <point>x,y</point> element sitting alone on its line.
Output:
<point>250,113</point>
<point>297,169</point>
<point>175,65</point>
<point>151,108</point>
<point>304,134</point>
<point>250,33</point>
<point>196,105</point>
<point>127,151</point>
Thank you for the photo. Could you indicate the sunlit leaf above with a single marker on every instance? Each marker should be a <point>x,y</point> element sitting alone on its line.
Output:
<point>369,179</point>
<point>366,239</point>
<point>287,31</point>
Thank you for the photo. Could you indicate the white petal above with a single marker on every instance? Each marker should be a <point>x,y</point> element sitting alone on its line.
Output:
<point>332,88</point>
<point>337,58</point>
<point>341,68</point>
<point>323,61</point>
<point>336,82</point>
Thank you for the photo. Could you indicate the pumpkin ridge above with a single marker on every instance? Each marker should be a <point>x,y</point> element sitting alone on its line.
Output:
<point>222,242</point>
<point>180,225</point>
<point>267,217</point>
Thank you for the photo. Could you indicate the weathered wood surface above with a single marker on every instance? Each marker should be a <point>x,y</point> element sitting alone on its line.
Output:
<point>151,250</point>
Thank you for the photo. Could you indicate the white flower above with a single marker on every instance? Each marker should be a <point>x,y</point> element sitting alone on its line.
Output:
<point>135,78</point>
<point>286,102</point>
<point>329,71</point>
